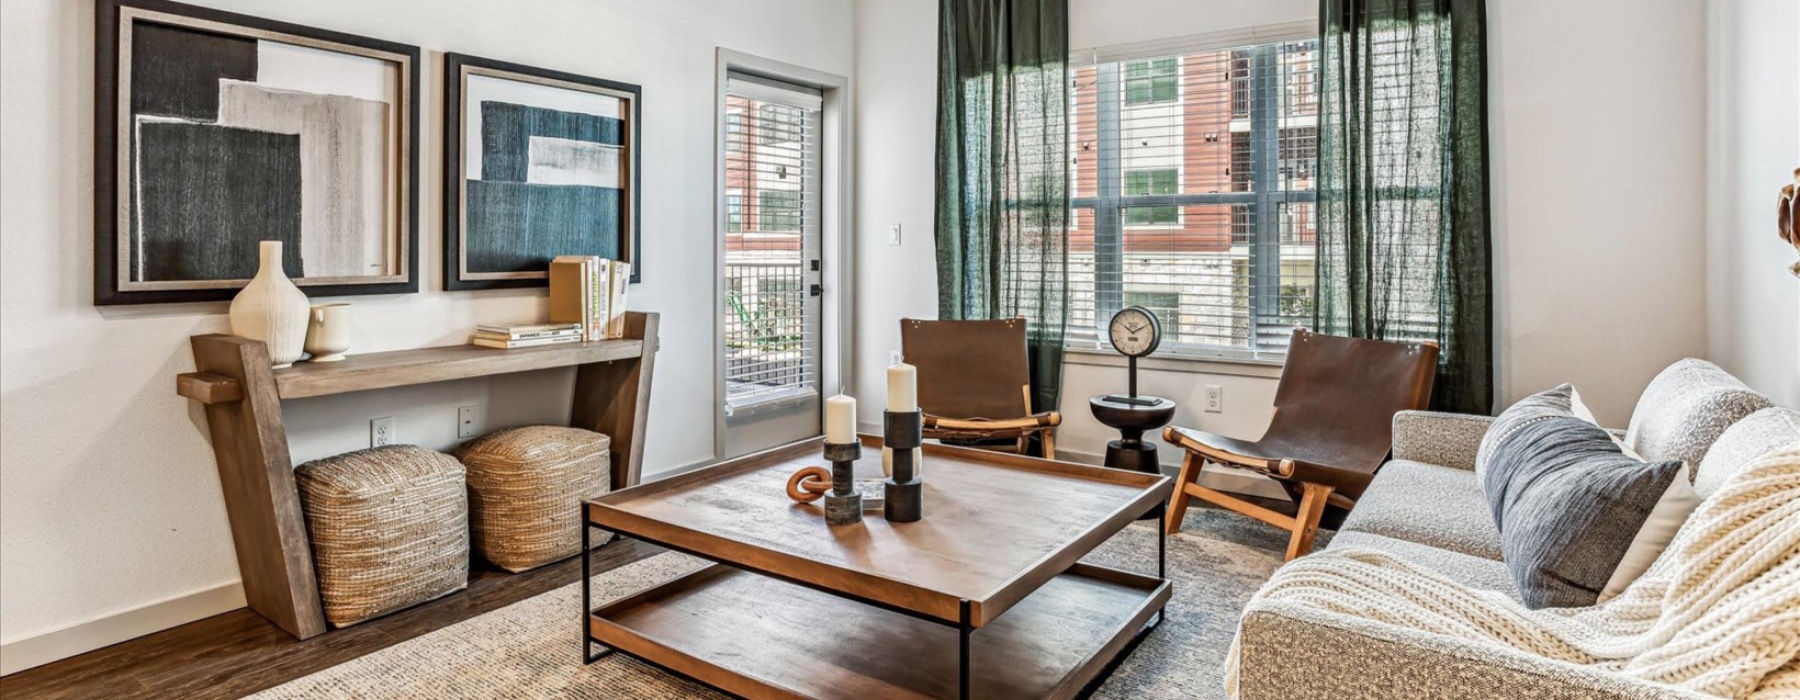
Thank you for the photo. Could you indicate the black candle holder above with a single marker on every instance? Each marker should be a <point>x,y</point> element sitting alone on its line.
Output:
<point>843,505</point>
<point>903,492</point>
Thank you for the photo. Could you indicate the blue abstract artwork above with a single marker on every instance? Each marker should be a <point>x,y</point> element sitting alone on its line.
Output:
<point>545,172</point>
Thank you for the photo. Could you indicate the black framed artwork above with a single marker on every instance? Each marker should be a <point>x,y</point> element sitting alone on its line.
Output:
<point>537,163</point>
<point>215,131</point>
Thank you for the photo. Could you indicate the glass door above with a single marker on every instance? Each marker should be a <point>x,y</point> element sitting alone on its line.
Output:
<point>771,320</point>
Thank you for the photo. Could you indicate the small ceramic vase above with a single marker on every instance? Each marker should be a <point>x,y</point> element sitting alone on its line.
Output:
<point>271,309</point>
<point>328,332</point>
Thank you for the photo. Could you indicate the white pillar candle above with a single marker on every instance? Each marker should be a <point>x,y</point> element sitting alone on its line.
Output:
<point>903,388</point>
<point>840,420</point>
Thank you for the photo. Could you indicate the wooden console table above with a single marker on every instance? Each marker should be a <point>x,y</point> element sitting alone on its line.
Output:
<point>243,413</point>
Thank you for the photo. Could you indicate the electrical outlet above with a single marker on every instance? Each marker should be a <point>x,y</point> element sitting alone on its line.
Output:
<point>468,421</point>
<point>896,357</point>
<point>381,431</point>
<point>893,234</point>
<point>1215,399</point>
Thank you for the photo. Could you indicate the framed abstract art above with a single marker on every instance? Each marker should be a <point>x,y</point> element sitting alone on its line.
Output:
<point>537,163</point>
<point>215,131</point>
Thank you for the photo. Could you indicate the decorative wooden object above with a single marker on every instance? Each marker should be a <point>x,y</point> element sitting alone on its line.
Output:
<point>809,484</point>
<point>986,600</point>
<point>243,395</point>
<point>1787,217</point>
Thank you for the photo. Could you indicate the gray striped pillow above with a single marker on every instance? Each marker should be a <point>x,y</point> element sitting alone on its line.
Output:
<point>1567,501</point>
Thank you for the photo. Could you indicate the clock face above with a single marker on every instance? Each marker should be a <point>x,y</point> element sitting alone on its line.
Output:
<point>1135,331</point>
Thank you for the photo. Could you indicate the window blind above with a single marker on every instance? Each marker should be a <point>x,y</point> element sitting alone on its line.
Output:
<point>771,224</point>
<point>1192,190</point>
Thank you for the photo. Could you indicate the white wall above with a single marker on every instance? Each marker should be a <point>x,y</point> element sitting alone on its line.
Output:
<point>1597,118</point>
<point>1596,115</point>
<point>1753,128</point>
<point>109,500</point>
<point>896,55</point>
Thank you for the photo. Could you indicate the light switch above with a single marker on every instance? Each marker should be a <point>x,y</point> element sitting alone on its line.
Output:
<point>468,421</point>
<point>893,234</point>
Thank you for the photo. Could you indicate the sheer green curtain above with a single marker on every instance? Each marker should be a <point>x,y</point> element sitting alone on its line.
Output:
<point>1403,196</point>
<point>1002,172</point>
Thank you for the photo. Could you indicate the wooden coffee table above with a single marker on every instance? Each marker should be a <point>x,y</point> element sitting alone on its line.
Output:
<point>983,598</point>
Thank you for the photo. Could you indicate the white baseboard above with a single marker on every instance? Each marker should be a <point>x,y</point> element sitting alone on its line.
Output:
<point>107,630</point>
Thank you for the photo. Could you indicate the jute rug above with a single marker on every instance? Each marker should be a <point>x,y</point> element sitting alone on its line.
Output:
<point>531,649</point>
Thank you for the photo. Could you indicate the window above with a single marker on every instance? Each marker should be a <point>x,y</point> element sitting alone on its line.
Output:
<point>778,124</point>
<point>779,210</point>
<point>734,213</point>
<point>772,203</point>
<point>734,131</point>
<point>1192,193</point>
<point>1165,304</point>
<point>1150,82</point>
<point>1151,182</point>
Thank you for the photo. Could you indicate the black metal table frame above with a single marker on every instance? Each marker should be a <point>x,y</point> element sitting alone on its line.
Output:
<point>964,626</point>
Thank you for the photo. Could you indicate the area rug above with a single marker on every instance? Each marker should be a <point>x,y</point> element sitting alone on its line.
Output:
<point>531,650</point>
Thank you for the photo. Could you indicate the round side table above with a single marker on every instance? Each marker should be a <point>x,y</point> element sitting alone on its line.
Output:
<point>1132,417</point>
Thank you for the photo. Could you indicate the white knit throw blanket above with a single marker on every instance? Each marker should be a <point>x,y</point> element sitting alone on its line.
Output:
<point>1718,613</point>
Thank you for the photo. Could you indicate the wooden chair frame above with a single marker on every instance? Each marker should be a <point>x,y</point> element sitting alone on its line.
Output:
<point>1304,525</point>
<point>1293,458</point>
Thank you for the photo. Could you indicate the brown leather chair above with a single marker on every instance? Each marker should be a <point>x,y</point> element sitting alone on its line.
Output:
<point>1333,422</point>
<point>975,381</point>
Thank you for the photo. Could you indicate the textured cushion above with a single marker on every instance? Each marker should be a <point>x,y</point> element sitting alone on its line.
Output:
<point>1548,404</point>
<point>1756,435</point>
<point>1432,437</point>
<point>389,529</point>
<point>525,491</point>
<point>1431,505</point>
<point>1666,518</point>
<point>1474,572</point>
<point>1567,501</point>
<point>1685,409</point>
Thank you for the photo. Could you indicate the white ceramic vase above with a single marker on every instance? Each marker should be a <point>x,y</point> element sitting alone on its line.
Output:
<point>328,332</point>
<point>271,309</point>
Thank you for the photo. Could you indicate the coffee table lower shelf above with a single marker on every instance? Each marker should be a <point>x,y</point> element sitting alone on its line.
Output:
<point>759,637</point>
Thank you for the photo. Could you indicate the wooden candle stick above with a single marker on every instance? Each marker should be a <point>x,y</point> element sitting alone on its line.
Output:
<point>903,501</point>
<point>843,503</point>
<point>843,506</point>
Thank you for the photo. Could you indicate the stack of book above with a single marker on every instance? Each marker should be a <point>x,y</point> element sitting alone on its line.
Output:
<point>589,291</point>
<point>508,336</point>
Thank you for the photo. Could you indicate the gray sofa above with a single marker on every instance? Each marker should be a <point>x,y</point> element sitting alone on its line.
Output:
<point>1426,507</point>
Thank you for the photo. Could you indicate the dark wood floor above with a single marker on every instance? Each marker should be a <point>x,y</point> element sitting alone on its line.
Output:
<point>238,653</point>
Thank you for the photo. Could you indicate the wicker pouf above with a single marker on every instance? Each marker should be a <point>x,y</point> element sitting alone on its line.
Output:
<point>389,528</point>
<point>525,491</point>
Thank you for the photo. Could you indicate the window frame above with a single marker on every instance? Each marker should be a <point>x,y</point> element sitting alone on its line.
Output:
<point>1263,195</point>
<point>1174,186</point>
<point>1152,81</point>
<point>785,216</point>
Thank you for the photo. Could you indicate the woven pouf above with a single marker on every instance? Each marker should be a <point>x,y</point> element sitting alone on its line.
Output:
<point>525,491</point>
<point>389,528</point>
